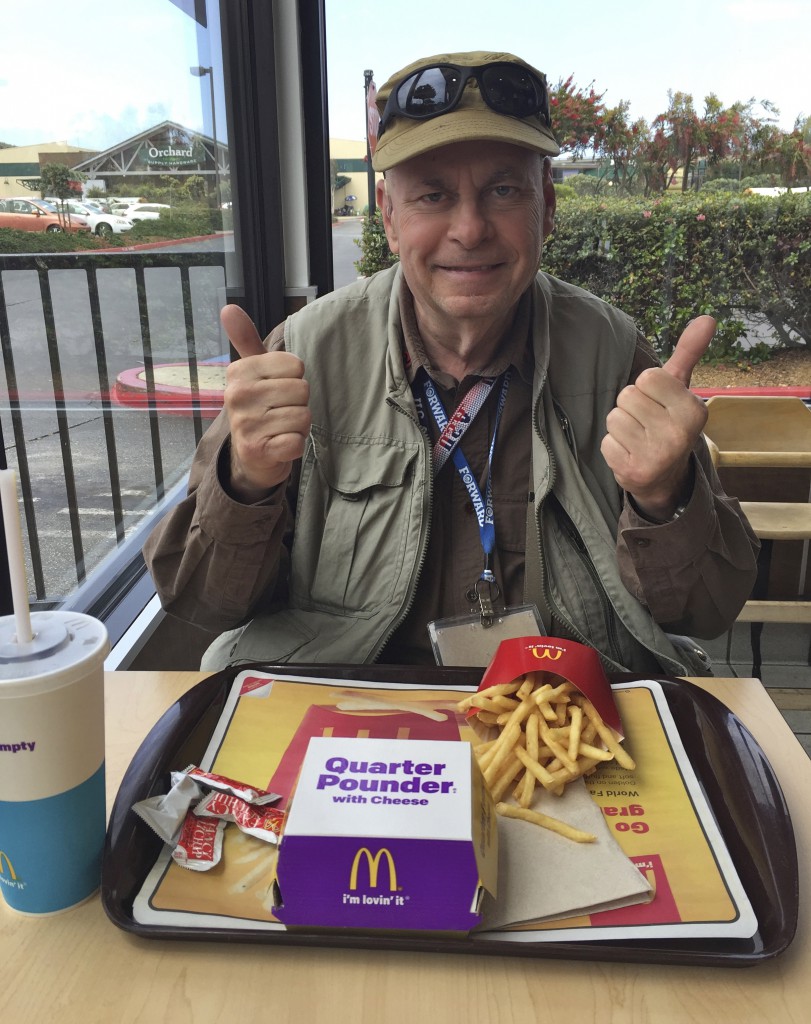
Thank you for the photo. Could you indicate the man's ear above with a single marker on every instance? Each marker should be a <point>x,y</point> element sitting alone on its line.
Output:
<point>549,199</point>
<point>384,204</point>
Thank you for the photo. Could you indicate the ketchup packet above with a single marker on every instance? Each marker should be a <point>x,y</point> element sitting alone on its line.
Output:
<point>262,822</point>
<point>199,847</point>
<point>249,794</point>
<point>564,659</point>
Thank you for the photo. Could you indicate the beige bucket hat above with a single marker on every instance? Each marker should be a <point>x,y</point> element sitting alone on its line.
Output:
<point>471,119</point>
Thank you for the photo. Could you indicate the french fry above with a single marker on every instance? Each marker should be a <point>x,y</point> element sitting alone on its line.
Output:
<point>576,717</point>
<point>528,783</point>
<point>523,814</point>
<point>508,774</point>
<point>606,734</point>
<point>536,768</point>
<point>498,690</point>
<point>526,688</point>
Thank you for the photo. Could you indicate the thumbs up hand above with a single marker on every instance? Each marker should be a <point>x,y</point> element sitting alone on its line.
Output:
<point>266,398</point>
<point>655,425</point>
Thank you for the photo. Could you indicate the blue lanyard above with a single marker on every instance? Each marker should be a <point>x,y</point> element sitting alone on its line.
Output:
<point>451,433</point>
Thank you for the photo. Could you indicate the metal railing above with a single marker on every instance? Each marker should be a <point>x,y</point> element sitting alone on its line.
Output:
<point>54,399</point>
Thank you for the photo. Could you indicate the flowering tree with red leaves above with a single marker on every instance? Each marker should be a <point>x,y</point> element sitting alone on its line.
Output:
<point>618,141</point>
<point>680,136</point>
<point>794,153</point>
<point>577,115</point>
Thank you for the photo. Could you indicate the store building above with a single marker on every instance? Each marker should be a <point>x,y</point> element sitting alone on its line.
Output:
<point>21,166</point>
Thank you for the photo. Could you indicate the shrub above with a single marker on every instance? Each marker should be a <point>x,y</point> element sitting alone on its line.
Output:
<point>668,259</point>
<point>721,185</point>
<point>375,252</point>
<point>177,224</point>
<point>563,192</point>
<point>45,241</point>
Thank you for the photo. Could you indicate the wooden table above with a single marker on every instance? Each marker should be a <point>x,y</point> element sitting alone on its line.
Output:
<point>77,968</point>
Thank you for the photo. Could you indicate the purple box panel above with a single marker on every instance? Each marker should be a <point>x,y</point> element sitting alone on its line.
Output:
<point>397,884</point>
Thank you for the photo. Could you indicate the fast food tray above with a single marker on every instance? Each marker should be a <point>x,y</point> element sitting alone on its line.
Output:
<point>737,779</point>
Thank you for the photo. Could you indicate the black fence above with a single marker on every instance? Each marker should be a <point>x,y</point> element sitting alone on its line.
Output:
<point>55,396</point>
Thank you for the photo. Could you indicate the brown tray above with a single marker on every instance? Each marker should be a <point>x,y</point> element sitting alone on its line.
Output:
<point>736,777</point>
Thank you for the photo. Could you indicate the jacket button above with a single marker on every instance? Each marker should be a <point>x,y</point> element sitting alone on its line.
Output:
<point>642,542</point>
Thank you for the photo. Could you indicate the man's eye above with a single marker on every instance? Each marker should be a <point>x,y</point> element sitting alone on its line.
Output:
<point>503,190</point>
<point>433,197</point>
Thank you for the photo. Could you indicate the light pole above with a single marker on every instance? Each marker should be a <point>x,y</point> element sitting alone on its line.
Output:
<point>368,83</point>
<point>201,72</point>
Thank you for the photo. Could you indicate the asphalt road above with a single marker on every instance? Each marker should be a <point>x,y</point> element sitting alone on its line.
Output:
<point>82,441</point>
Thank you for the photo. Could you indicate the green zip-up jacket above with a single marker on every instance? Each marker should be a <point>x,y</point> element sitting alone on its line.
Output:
<point>363,509</point>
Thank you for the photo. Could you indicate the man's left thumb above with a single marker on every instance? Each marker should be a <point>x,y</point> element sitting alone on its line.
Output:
<point>691,346</point>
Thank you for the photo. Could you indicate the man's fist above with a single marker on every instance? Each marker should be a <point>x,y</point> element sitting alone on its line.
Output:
<point>266,398</point>
<point>655,425</point>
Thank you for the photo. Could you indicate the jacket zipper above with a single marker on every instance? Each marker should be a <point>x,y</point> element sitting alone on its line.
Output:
<point>605,603</point>
<point>412,594</point>
<point>555,611</point>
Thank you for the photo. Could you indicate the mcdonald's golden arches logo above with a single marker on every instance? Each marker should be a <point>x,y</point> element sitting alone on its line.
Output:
<point>547,652</point>
<point>373,862</point>
<point>5,863</point>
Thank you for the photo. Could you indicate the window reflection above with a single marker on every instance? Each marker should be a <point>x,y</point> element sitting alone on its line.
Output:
<point>113,360</point>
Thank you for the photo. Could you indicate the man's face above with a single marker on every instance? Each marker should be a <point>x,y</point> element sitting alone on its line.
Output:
<point>468,222</point>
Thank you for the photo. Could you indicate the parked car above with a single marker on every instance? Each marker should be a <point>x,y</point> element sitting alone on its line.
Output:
<point>103,224</point>
<point>144,211</point>
<point>118,204</point>
<point>24,214</point>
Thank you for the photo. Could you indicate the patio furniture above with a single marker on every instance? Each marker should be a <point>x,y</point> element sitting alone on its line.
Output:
<point>766,433</point>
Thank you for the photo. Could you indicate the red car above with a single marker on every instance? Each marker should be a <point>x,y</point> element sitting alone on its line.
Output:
<point>36,215</point>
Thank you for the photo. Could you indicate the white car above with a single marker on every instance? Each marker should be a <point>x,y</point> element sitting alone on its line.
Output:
<point>144,211</point>
<point>101,223</point>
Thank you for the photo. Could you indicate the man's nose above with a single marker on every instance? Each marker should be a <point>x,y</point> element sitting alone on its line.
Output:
<point>470,225</point>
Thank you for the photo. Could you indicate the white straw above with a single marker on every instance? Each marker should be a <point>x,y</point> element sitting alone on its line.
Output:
<point>16,564</point>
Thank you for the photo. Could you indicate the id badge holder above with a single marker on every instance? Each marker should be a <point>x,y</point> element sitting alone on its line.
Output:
<point>466,640</point>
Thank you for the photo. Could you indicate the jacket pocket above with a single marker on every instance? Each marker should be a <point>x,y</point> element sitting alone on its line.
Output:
<point>354,522</point>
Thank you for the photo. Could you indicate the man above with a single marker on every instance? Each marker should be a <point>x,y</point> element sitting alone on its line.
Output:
<point>472,437</point>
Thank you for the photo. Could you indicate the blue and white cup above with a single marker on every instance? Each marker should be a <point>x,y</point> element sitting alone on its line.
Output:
<point>52,792</point>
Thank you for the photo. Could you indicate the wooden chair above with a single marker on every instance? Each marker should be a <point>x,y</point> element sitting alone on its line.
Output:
<point>755,432</point>
<point>758,432</point>
<point>771,521</point>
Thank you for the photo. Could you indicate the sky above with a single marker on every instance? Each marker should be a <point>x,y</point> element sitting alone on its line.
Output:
<point>633,50</point>
<point>112,68</point>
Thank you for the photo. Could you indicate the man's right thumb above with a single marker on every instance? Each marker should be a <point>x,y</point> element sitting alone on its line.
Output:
<point>241,331</point>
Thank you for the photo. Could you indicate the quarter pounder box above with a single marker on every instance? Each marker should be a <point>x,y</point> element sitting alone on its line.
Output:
<point>387,834</point>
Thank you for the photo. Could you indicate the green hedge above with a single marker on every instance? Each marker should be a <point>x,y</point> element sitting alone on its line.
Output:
<point>667,259</point>
<point>174,224</point>
<point>45,241</point>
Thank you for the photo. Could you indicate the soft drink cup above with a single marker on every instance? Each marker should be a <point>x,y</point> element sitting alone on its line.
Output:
<point>52,792</point>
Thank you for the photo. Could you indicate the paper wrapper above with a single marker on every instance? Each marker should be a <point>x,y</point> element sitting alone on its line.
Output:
<point>543,876</point>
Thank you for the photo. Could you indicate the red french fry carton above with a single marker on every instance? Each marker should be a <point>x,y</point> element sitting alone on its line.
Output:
<point>577,664</point>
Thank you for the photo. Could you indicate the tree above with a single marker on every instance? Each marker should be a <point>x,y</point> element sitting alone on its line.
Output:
<point>795,153</point>
<point>577,115</point>
<point>618,142</point>
<point>61,182</point>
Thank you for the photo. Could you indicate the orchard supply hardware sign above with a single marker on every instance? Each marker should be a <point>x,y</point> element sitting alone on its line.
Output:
<point>178,152</point>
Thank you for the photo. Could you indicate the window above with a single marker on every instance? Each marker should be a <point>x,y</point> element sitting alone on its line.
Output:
<point>113,358</point>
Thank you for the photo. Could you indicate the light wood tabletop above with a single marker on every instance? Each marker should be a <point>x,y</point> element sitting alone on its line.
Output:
<point>78,968</point>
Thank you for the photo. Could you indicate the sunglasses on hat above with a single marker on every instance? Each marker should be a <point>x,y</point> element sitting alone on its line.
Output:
<point>506,88</point>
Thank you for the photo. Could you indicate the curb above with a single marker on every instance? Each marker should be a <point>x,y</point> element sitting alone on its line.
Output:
<point>163,243</point>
